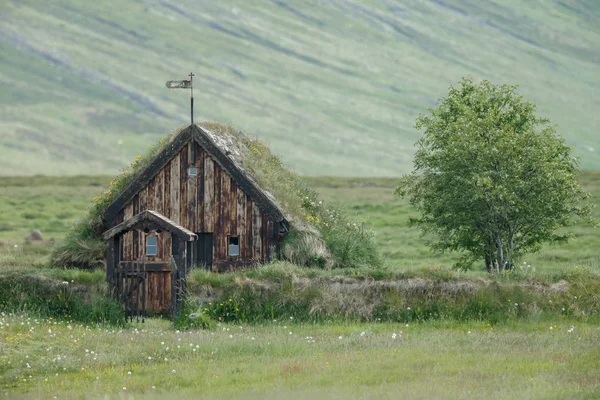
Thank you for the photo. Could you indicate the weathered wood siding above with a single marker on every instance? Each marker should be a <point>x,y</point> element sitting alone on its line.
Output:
<point>209,202</point>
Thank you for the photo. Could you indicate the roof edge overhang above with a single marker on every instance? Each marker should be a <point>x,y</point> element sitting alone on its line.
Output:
<point>149,220</point>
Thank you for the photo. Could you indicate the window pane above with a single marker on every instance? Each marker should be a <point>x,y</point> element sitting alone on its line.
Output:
<point>151,246</point>
<point>193,171</point>
<point>234,246</point>
<point>234,250</point>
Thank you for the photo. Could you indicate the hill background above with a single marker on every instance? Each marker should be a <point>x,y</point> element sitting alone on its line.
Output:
<point>333,86</point>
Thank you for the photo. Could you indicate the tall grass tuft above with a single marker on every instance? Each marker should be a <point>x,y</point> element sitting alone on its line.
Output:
<point>80,248</point>
<point>46,298</point>
<point>305,246</point>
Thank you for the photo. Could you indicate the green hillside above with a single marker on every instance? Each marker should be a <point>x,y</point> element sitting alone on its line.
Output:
<point>333,86</point>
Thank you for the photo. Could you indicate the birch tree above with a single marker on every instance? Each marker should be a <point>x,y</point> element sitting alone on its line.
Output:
<point>491,178</point>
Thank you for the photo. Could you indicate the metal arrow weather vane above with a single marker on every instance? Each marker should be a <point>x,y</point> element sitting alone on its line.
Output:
<point>185,84</point>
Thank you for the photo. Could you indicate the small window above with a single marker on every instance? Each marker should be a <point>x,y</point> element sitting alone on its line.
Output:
<point>192,171</point>
<point>151,246</point>
<point>234,246</point>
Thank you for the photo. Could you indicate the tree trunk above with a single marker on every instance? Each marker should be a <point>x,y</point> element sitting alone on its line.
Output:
<point>490,256</point>
<point>500,261</point>
<point>488,262</point>
<point>511,248</point>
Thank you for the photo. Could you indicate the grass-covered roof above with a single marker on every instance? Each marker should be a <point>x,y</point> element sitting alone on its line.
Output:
<point>320,234</point>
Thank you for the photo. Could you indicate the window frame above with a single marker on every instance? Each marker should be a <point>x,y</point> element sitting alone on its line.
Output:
<point>229,238</point>
<point>155,246</point>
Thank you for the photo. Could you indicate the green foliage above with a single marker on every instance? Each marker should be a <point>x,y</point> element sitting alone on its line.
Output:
<point>227,310</point>
<point>191,317</point>
<point>491,178</point>
<point>80,248</point>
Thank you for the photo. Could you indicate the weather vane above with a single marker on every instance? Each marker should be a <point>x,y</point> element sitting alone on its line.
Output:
<point>185,84</point>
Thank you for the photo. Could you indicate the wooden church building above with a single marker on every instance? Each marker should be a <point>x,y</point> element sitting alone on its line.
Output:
<point>193,206</point>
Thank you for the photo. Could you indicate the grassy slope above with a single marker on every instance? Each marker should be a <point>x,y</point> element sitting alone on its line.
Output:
<point>468,361</point>
<point>332,86</point>
<point>50,204</point>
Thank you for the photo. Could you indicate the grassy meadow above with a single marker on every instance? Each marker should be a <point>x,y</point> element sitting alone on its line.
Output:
<point>448,335</point>
<point>45,358</point>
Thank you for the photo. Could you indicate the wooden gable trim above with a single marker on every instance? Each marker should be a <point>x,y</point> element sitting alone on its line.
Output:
<point>203,139</point>
<point>151,220</point>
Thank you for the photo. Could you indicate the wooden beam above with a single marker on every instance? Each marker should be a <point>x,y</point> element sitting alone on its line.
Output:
<point>151,266</point>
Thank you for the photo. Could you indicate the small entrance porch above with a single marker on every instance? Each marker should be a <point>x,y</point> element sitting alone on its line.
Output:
<point>149,286</point>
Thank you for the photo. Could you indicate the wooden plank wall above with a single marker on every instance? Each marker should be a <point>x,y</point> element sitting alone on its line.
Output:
<point>208,202</point>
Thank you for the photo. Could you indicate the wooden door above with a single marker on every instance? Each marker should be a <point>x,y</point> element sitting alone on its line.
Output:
<point>144,287</point>
<point>159,290</point>
<point>203,253</point>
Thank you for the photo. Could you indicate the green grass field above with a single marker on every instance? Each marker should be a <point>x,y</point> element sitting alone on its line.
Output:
<point>333,86</point>
<point>45,358</point>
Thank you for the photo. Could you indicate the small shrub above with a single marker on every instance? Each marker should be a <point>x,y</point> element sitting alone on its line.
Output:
<point>191,317</point>
<point>225,311</point>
